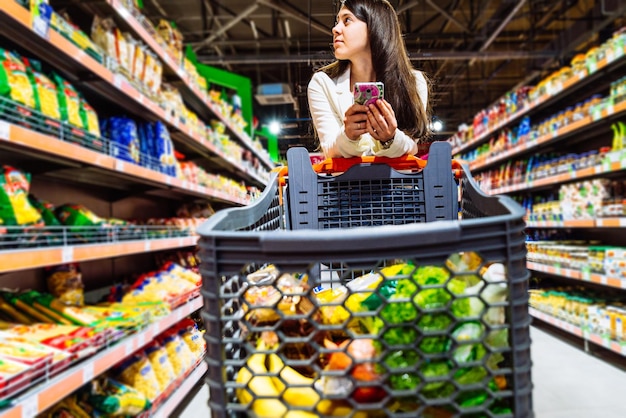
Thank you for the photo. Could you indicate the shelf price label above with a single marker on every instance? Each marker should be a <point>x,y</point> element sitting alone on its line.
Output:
<point>67,254</point>
<point>30,407</point>
<point>88,372</point>
<point>5,130</point>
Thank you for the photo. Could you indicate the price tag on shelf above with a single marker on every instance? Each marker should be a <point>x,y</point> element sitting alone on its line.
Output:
<point>88,372</point>
<point>67,254</point>
<point>119,165</point>
<point>146,246</point>
<point>117,81</point>
<point>586,274</point>
<point>179,314</point>
<point>5,130</point>
<point>30,407</point>
<point>129,348</point>
<point>141,339</point>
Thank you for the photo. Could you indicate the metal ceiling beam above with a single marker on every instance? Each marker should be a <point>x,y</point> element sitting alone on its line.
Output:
<point>448,16</point>
<point>414,56</point>
<point>295,14</point>
<point>227,26</point>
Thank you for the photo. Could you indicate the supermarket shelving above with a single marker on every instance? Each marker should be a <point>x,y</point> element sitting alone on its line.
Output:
<point>574,128</point>
<point>572,86</point>
<point>174,400</point>
<point>29,258</point>
<point>66,56</point>
<point>580,223</point>
<point>34,141</point>
<point>197,99</point>
<point>46,394</point>
<point>581,332</point>
<point>582,275</point>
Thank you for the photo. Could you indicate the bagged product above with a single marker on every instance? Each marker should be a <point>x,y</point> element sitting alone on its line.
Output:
<point>137,372</point>
<point>77,215</point>
<point>113,398</point>
<point>65,283</point>
<point>189,332</point>
<point>90,121</point>
<point>14,81</point>
<point>69,102</point>
<point>15,209</point>
<point>46,209</point>
<point>46,91</point>
<point>124,138</point>
<point>161,364</point>
<point>179,353</point>
<point>164,149</point>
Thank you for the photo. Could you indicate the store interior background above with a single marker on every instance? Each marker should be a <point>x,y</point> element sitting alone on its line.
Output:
<point>473,51</point>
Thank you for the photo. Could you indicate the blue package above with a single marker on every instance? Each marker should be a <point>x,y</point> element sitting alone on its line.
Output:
<point>164,149</point>
<point>124,139</point>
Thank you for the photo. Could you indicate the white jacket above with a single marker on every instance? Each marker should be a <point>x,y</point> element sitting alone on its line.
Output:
<point>328,101</point>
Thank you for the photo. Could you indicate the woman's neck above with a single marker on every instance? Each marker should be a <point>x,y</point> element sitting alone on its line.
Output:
<point>361,71</point>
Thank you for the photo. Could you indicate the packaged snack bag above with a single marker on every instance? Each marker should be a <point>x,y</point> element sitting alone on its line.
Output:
<point>46,209</point>
<point>89,118</point>
<point>137,372</point>
<point>14,81</point>
<point>113,398</point>
<point>179,353</point>
<point>65,283</point>
<point>47,99</point>
<point>15,209</point>
<point>161,364</point>
<point>69,102</point>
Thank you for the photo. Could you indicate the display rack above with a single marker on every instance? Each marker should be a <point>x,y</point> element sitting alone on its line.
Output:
<point>581,332</point>
<point>73,60</point>
<point>582,275</point>
<point>199,100</point>
<point>49,392</point>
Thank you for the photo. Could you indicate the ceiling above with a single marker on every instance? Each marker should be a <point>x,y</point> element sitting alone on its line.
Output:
<point>473,50</point>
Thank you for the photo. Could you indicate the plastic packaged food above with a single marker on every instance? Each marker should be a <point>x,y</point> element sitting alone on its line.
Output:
<point>65,283</point>
<point>189,332</point>
<point>15,209</point>
<point>137,371</point>
<point>161,364</point>
<point>69,102</point>
<point>14,81</point>
<point>179,353</point>
<point>114,398</point>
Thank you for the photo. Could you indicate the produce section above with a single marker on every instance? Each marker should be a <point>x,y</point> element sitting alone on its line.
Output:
<point>558,149</point>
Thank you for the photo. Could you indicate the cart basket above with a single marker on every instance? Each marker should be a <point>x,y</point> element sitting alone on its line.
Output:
<point>351,294</point>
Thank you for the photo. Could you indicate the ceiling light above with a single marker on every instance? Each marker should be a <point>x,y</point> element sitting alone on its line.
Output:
<point>437,126</point>
<point>274,127</point>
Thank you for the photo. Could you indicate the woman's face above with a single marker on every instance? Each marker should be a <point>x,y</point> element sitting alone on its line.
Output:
<point>349,36</point>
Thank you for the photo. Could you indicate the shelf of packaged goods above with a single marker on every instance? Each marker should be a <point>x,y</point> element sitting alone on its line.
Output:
<point>574,83</point>
<point>193,95</point>
<point>580,223</point>
<point>46,394</point>
<point>603,341</point>
<point>582,275</point>
<point>53,146</point>
<point>21,259</point>
<point>64,54</point>
<point>572,128</point>
<point>175,399</point>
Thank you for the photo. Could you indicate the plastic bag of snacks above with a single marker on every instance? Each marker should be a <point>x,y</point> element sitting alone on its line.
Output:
<point>89,118</point>
<point>113,398</point>
<point>46,209</point>
<point>189,332</point>
<point>66,284</point>
<point>137,372</point>
<point>178,351</point>
<point>14,81</point>
<point>46,90</point>
<point>161,364</point>
<point>15,209</point>
<point>69,102</point>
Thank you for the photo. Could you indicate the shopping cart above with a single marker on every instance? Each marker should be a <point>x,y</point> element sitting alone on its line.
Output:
<point>364,289</point>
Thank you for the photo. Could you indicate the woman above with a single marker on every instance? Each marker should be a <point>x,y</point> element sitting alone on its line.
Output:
<point>368,46</point>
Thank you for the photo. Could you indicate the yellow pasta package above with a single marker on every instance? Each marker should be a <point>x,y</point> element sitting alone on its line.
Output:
<point>161,364</point>
<point>137,372</point>
<point>179,353</point>
<point>14,81</point>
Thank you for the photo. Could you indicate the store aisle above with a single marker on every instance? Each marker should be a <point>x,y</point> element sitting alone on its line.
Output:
<point>569,383</point>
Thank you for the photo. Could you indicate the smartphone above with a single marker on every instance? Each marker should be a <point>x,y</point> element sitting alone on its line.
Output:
<point>366,93</point>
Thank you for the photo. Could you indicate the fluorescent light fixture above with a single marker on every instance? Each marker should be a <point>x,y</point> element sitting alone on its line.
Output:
<point>274,127</point>
<point>437,126</point>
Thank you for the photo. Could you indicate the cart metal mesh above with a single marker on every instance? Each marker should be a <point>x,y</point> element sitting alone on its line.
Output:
<point>314,315</point>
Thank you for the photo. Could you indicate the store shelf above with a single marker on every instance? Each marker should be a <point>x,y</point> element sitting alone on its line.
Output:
<point>46,394</point>
<point>66,56</point>
<point>20,259</point>
<point>581,223</point>
<point>197,99</point>
<point>181,392</point>
<point>603,341</point>
<point>43,143</point>
<point>584,276</point>
<point>572,85</point>
<point>573,128</point>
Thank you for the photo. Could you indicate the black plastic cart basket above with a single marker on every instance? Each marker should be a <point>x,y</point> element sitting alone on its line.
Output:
<point>379,291</point>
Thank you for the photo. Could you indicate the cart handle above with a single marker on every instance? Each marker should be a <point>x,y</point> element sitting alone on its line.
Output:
<point>341,165</point>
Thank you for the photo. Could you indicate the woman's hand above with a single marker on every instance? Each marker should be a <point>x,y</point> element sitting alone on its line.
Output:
<point>355,121</point>
<point>381,121</point>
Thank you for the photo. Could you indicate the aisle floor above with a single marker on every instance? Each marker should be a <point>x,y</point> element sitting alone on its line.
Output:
<point>568,382</point>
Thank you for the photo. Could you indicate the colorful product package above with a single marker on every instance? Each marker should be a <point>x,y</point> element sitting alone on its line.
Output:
<point>46,91</point>
<point>161,364</point>
<point>113,398</point>
<point>14,81</point>
<point>65,283</point>
<point>69,102</point>
<point>122,132</point>
<point>89,118</point>
<point>15,209</point>
<point>137,372</point>
<point>178,351</point>
<point>46,209</point>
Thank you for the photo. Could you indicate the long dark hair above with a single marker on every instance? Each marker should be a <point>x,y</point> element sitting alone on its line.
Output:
<point>391,64</point>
